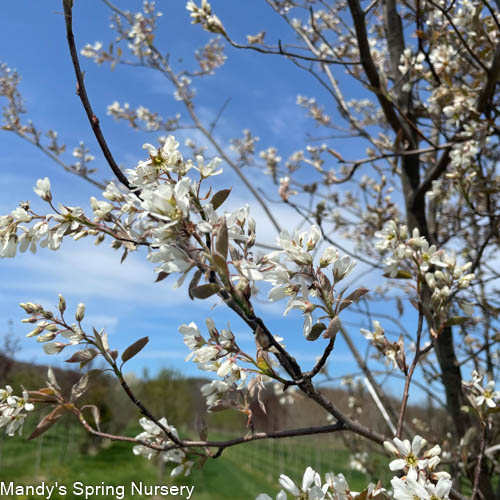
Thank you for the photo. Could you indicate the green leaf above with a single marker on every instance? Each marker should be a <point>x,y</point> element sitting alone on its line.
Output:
<point>219,198</point>
<point>134,349</point>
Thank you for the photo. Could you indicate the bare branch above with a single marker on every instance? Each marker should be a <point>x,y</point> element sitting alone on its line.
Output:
<point>82,93</point>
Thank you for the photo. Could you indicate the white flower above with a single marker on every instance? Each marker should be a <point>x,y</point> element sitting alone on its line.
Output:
<point>9,246</point>
<point>280,496</point>
<point>414,486</point>
<point>205,354</point>
<point>339,485</point>
<point>289,485</point>
<point>214,391</point>
<point>293,248</point>
<point>311,485</point>
<point>408,452</point>
<point>182,468</point>
<point>313,238</point>
<point>378,333</point>
<point>488,395</point>
<point>11,410</point>
<point>343,267</point>
<point>210,169</point>
<point>171,259</point>
<point>389,235</point>
<point>20,215</point>
<point>192,338</point>
<point>42,189</point>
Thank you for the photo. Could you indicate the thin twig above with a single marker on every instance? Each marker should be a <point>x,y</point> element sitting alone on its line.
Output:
<point>82,93</point>
<point>477,472</point>
<point>219,114</point>
<point>409,375</point>
<point>282,52</point>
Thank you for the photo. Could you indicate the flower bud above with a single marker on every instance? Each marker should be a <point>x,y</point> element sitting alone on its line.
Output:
<point>46,337</point>
<point>391,448</point>
<point>42,189</point>
<point>62,304</point>
<point>80,312</point>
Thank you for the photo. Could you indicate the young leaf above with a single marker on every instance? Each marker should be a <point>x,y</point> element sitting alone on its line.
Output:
<point>98,339</point>
<point>201,427</point>
<point>400,275</point>
<point>96,414</point>
<point>83,356</point>
<point>161,276</point>
<point>315,331</point>
<point>79,388</point>
<point>205,291</point>
<point>135,348</point>
<point>194,283</point>
<point>47,422</point>
<point>222,242</point>
<point>333,328</point>
<point>51,378</point>
<point>353,297</point>
<point>219,198</point>
<point>220,265</point>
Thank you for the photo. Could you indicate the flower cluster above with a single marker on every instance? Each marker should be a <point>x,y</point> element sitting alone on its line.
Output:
<point>48,327</point>
<point>205,17</point>
<point>413,256</point>
<point>421,479</point>
<point>221,354</point>
<point>12,410</point>
<point>393,352</point>
<point>154,435</point>
<point>420,482</point>
<point>297,279</point>
<point>334,487</point>
<point>481,397</point>
<point>142,118</point>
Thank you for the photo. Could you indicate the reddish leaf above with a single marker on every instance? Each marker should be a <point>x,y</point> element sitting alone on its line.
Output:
<point>135,348</point>
<point>47,422</point>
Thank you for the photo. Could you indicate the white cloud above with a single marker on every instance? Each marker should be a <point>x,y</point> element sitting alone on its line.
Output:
<point>165,354</point>
<point>83,270</point>
<point>109,323</point>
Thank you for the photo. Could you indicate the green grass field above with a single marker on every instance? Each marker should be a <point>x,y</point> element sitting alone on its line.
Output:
<point>241,472</point>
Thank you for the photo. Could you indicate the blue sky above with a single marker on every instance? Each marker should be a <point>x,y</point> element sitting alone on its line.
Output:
<point>122,298</point>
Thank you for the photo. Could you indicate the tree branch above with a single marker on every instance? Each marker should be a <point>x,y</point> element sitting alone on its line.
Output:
<point>82,93</point>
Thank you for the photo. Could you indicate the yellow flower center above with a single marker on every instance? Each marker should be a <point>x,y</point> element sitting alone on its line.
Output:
<point>411,460</point>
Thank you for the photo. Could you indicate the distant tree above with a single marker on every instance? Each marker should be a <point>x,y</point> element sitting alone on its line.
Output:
<point>10,346</point>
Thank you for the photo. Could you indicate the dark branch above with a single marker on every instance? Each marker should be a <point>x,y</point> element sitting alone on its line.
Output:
<point>82,93</point>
